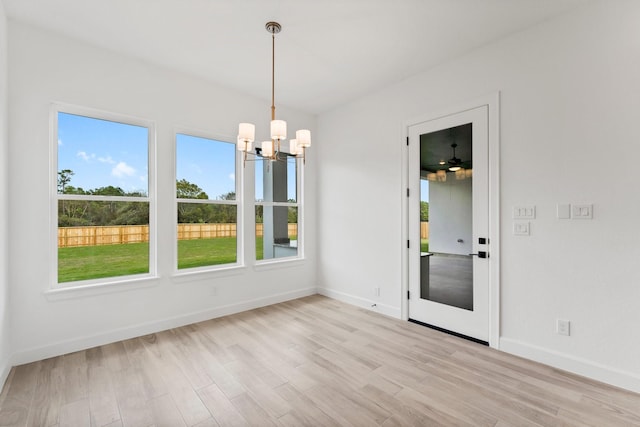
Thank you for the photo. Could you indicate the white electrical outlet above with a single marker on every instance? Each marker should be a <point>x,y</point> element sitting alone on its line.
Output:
<point>376,292</point>
<point>582,211</point>
<point>563,327</point>
<point>521,228</point>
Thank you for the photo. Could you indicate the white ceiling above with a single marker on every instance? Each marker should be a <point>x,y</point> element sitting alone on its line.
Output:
<point>328,53</point>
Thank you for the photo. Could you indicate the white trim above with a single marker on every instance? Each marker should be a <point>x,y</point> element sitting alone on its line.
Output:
<point>492,101</point>
<point>276,263</point>
<point>607,374</point>
<point>285,204</point>
<point>77,344</point>
<point>151,199</point>
<point>265,264</point>
<point>82,288</point>
<point>96,198</point>
<point>200,273</point>
<point>300,192</point>
<point>365,303</point>
<point>237,202</point>
<point>208,201</point>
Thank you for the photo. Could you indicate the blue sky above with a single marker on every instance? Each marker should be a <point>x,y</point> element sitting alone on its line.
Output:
<point>424,190</point>
<point>208,163</point>
<point>102,153</point>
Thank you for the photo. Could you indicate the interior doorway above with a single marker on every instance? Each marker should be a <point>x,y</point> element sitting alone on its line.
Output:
<point>449,220</point>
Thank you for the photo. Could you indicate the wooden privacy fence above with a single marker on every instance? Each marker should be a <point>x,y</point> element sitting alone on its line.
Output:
<point>69,237</point>
<point>424,229</point>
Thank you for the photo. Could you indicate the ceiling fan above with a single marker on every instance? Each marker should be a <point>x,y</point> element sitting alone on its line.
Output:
<point>455,164</point>
<point>461,168</point>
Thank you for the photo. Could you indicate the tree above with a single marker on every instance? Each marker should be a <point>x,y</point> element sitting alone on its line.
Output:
<point>424,211</point>
<point>109,190</point>
<point>64,177</point>
<point>188,190</point>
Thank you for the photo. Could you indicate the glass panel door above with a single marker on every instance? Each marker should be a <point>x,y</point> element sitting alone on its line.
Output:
<point>446,208</point>
<point>448,215</point>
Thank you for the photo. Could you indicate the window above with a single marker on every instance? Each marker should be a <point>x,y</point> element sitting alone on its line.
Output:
<point>206,202</point>
<point>102,196</point>
<point>277,209</point>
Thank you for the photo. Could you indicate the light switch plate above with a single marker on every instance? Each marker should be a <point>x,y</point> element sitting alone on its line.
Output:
<point>582,211</point>
<point>521,228</point>
<point>564,211</point>
<point>524,212</point>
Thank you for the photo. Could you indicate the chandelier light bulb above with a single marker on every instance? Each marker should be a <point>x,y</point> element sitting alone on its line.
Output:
<point>294,147</point>
<point>243,145</point>
<point>278,130</point>
<point>247,132</point>
<point>304,138</point>
<point>267,148</point>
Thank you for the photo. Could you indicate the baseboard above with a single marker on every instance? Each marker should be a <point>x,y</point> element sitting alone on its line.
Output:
<point>362,302</point>
<point>586,368</point>
<point>69,346</point>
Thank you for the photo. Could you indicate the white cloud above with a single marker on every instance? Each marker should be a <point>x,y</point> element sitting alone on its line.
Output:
<point>122,169</point>
<point>107,159</point>
<point>59,141</point>
<point>232,176</point>
<point>86,157</point>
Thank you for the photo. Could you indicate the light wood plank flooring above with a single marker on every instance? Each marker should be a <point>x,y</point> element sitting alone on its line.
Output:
<point>308,362</point>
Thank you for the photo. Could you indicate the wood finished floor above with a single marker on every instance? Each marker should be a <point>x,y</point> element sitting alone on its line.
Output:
<point>308,362</point>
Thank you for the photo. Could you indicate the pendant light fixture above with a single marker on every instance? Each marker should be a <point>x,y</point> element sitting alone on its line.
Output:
<point>271,149</point>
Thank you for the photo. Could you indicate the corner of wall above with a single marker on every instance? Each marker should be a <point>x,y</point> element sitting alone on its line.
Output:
<point>5,342</point>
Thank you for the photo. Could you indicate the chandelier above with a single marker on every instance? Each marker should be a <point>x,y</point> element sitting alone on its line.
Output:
<point>271,149</point>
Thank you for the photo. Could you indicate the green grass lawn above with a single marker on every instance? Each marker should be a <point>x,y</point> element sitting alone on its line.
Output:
<point>96,262</point>
<point>202,252</point>
<point>424,245</point>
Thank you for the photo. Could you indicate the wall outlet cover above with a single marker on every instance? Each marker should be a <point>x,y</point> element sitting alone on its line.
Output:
<point>563,327</point>
<point>521,228</point>
<point>582,211</point>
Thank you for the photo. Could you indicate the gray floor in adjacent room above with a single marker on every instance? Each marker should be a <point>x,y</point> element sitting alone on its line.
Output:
<point>451,280</point>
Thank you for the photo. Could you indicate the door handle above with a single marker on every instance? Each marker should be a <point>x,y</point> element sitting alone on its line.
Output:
<point>481,254</point>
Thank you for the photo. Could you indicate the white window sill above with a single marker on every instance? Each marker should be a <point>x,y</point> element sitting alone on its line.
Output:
<point>196,274</point>
<point>92,289</point>
<point>276,263</point>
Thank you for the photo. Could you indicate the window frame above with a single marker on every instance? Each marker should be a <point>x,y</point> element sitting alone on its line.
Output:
<point>299,204</point>
<point>56,197</point>
<point>238,202</point>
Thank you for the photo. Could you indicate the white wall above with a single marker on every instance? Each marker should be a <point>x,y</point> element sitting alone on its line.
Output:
<point>450,209</point>
<point>5,342</point>
<point>45,67</point>
<point>569,114</point>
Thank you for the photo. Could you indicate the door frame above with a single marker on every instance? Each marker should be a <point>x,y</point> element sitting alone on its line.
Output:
<point>492,101</point>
